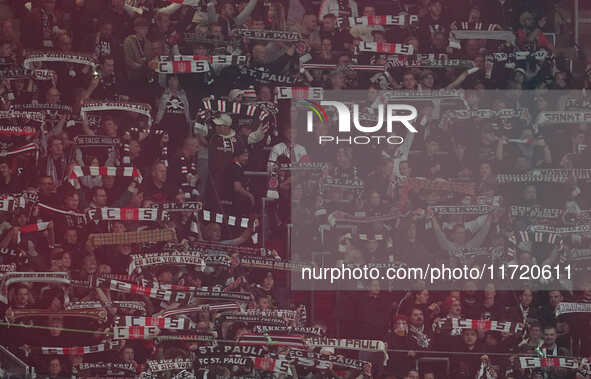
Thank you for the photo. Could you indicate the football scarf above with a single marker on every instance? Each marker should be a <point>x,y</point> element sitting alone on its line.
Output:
<point>360,218</point>
<point>336,360</point>
<point>467,254</point>
<point>249,319</point>
<point>386,48</point>
<point>268,35</point>
<point>160,322</point>
<point>244,362</point>
<point>185,206</point>
<point>20,150</point>
<point>220,218</point>
<point>81,350</point>
<point>21,123</point>
<point>10,278</point>
<point>535,212</point>
<point>218,260</point>
<point>140,262</point>
<point>549,175</point>
<point>289,314</point>
<point>389,20</point>
<point>561,117</point>
<point>127,214</point>
<point>227,349</point>
<point>124,307</point>
<point>129,172</point>
<point>189,64</point>
<point>449,324</point>
<point>354,184</point>
<point>55,56</point>
<point>96,141</point>
<point>23,73</point>
<point>564,308</point>
<point>210,338</point>
<point>108,367</point>
<point>106,106</point>
<point>464,25</point>
<point>425,61</point>
<point>211,106</point>
<point>481,34</point>
<point>308,93</point>
<point>272,340</point>
<point>332,67</point>
<point>135,332</point>
<point>72,218</point>
<point>281,330</point>
<point>201,308</point>
<point>349,344</point>
<point>154,293</point>
<point>97,314</point>
<point>32,228</point>
<point>270,264</point>
<point>537,362</point>
<point>507,113</point>
<point>46,109</point>
<point>560,230</point>
<point>421,184</point>
<point>524,236</point>
<point>209,247</point>
<point>582,256</point>
<point>510,59</point>
<point>267,77</point>
<point>462,209</point>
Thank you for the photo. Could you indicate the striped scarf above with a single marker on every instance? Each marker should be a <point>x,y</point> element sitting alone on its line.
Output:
<point>139,108</point>
<point>160,322</point>
<point>81,350</point>
<point>389,20</point>
<point>180,64</point>
<point>386,48</point>
<point>309,93</point>
<point>449,324</point>
<point>127,214</point>
<point>563,308</point>
<point>79,171</point>
<point>220,218</point>
<point>22,149</point>
<point>211,105</point>
<point>134,332</point>
<point>55,56</point>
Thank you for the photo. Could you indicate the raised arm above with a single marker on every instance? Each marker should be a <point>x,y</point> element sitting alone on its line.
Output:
<point>245,14</point>
<point>212,14</point>
<point>481,235</point>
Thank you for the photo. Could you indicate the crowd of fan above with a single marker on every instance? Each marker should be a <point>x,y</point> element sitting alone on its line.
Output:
<point>207,163</point>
